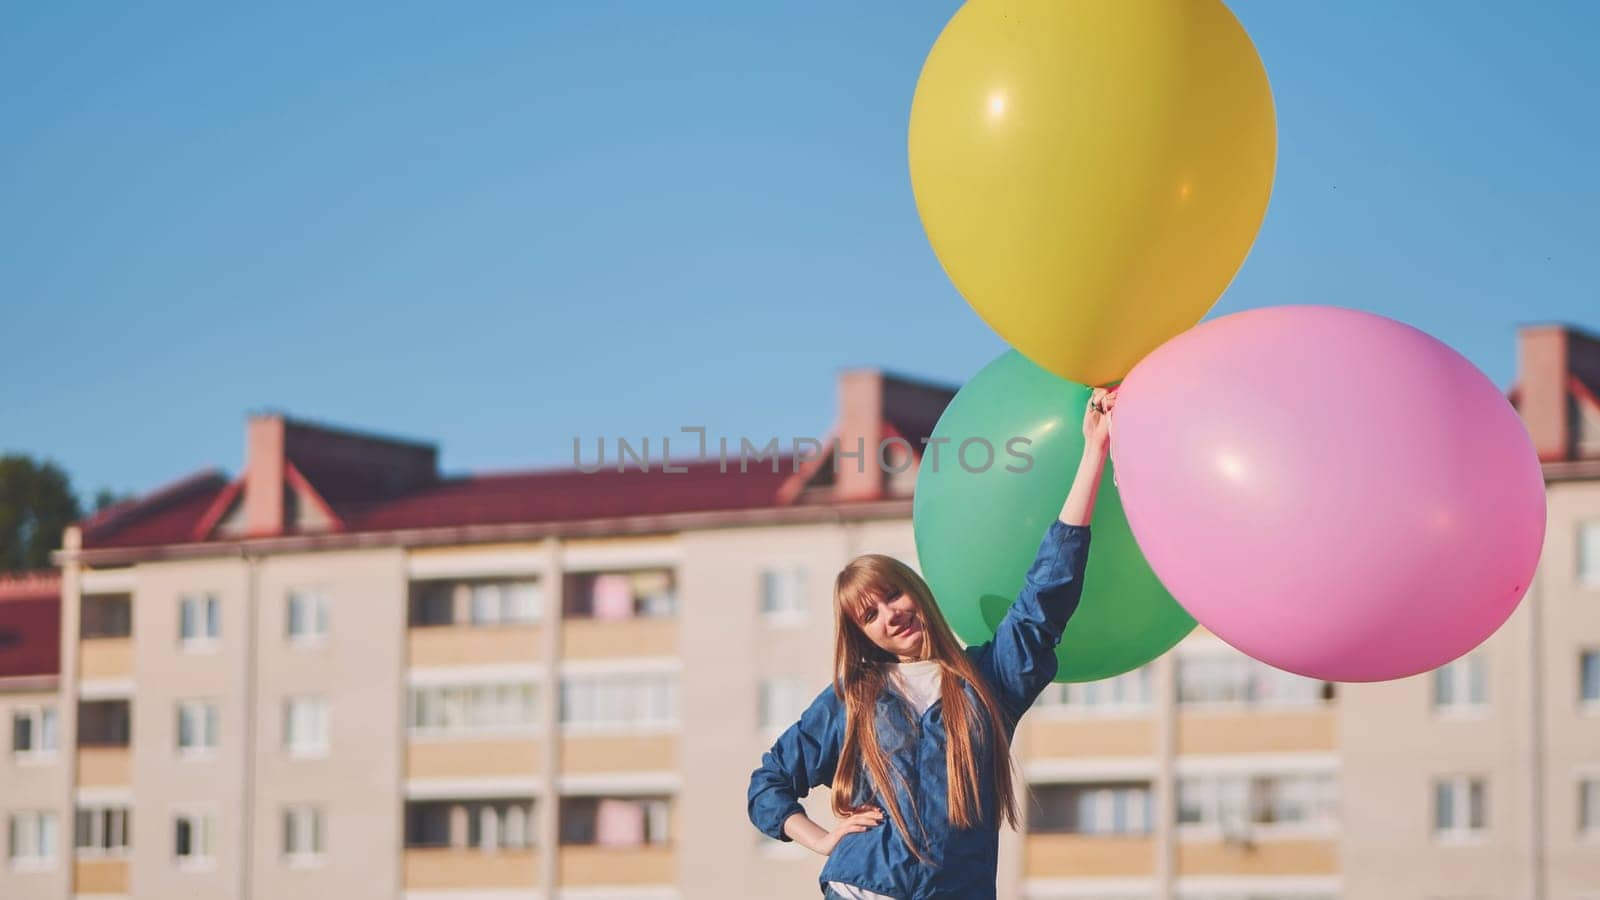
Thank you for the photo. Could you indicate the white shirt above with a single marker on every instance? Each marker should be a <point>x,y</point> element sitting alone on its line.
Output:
<point>919,683</point>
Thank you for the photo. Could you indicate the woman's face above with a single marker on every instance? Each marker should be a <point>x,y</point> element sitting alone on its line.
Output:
<point>892,622</point>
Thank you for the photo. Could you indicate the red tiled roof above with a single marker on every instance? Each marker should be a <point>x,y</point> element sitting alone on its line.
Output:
<point>168,516</point>
<point>564,495</point>
<point>366,484</point>
<point>553,495</point>
<point>30,625</point>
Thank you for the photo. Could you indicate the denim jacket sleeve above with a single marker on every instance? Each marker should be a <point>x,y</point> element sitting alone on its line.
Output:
<point>1020,661</point>
<point>804,756</point>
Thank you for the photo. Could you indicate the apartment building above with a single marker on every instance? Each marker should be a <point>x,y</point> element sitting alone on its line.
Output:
<point>33,779</point>
<point>341,673</point>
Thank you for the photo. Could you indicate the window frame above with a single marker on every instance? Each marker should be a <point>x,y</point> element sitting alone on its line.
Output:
<point>1232,802</point>
<point>1589,657</point>
<point>1461,791</point>
<point>1587,530</point>
<point>1131,694</point>
<point>207,619</point>
<point>201,828</point>
<point>37,716</point>
<point>300,819</point>
<point>304,749</point>
<point>209,725</point>
<point>101,817</point>
<point>457,711</point>
<point>318,602</point>
<point>1458,677</point>
<point>45,852</point>
<point>789,584</point>
<point>626,702</point>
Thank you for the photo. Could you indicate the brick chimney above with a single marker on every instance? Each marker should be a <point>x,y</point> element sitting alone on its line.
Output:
<point>264,461</point>
<point>860,428</point>
<point>338,465</point>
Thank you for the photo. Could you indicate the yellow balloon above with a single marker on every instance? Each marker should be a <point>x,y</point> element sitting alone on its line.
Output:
<point>1091,173</point>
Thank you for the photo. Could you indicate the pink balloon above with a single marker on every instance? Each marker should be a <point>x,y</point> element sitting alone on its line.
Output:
<point>1331,492</point>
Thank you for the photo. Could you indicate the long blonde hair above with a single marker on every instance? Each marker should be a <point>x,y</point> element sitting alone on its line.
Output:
<point>859,676</point>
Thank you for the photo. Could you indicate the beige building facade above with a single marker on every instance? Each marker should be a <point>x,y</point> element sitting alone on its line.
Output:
<point>343,675</point>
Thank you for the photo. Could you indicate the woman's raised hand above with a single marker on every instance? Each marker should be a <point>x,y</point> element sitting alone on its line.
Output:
<point>1097,418</point>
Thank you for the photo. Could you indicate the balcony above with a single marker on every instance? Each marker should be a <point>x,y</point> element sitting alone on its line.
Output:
<point>105,658</point>
<point>1276,856</point>
<point>100,876</point>
<point>469,645</point>
<point>474,757</point>
<point>1088,856</point>
<point>584,866</point>
<point>459,623</point>
<point>608,639</point>
<point>1092,828</point>
<point>617,841</point>
<point>470,844</point>
<point>465,868</point>
<point>109,766</point>
<point>1263,730</point>
<point>1088,737</point>
<point>105,649</point>
<point>104,757</point>
<point>619,614</point>
<point>603,754</point>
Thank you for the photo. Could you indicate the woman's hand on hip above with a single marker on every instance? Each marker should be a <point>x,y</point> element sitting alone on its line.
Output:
<point>861,821</point>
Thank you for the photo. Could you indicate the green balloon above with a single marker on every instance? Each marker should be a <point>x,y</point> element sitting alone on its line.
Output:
<point>978,526</point>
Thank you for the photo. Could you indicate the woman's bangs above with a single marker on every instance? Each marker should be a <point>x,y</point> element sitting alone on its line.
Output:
<point>862,594</point>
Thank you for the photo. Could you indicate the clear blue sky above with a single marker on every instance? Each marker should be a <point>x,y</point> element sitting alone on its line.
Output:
<point>498,226</point>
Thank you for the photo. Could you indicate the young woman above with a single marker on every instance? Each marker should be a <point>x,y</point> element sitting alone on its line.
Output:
<point>914,735</point>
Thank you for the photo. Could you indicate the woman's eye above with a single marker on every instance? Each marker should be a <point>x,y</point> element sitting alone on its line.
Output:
<point>869,615</point>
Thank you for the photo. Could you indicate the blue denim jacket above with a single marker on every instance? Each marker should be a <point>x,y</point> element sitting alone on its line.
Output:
<point>1016,664</point>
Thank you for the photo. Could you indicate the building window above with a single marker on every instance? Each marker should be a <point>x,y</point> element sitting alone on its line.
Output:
<point>103,723</point>
<point>1589,807</point>
<point>1459,807</point>
<point>615,821</point>
<point>199,620</point>
<point>106,616</point>
<point>1236,681</point>
<point>1108,808</point>
<point>197,726</point>
<point>102,831</point>
<point>1123,694</point>
<point>428,824</point>
<point>477,824</point>
<point>1462,686</point>
<point>505,602</point>
<point>1589,553</point>
<point>1589,679</point>
<point>460,710</point>
<point>781,702</point>
<point>433,604</point>
<point>307,617</point>
<point>1285,803</point>
<point>647,593</point>
<point>191,839</point>
<point>647,701</point>
<point>305,726</point>
<point>482,603</point>
<point>302,835</point>
<point>33,840</point>
<point>515,827</point>
<point>783,593</point>
<point>34,733</point>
